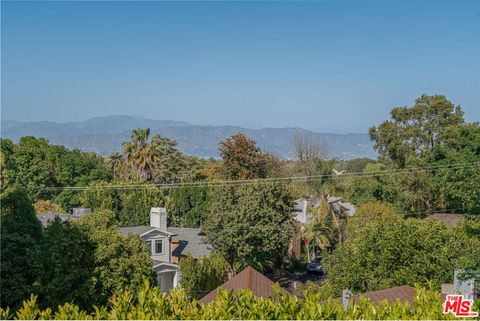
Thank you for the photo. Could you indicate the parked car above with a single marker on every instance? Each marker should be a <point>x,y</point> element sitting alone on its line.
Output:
<point>316,265</point>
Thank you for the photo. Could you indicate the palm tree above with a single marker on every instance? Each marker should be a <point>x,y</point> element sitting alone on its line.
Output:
<point>333,216</point>
<point>140,154</point>
<point>115,161</point>
<point>318,232</point>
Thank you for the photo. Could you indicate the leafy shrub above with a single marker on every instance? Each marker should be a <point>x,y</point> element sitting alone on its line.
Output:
<point>42,206</point>
<point>150,303</point>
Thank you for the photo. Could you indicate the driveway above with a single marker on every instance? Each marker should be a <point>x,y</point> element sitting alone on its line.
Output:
<point>292,281</point>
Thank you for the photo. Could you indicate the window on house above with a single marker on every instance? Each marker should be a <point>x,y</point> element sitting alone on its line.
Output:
<point>149,246</point>
<point>158,246</point>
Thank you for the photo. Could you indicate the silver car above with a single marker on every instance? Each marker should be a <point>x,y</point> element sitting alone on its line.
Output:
<point>316,265</point>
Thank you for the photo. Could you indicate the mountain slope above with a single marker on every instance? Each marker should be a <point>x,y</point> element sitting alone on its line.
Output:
<point>105,135</point>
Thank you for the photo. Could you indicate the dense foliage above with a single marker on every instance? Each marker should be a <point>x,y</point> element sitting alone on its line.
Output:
<point>154,159</point>
<point>83,262</point>
<point>121,262</point>
<point>199,277</point>
<point>414,132</point>
<point>130,205</point>
<point>152,304</point>
<point>388,251</point>
<point>429,160</point>
<point>34,164</point>
<point>242,158</point>
<point>188,206</point>
<point>64,266</point>
<point>20,233</point>
<point>250,225</point>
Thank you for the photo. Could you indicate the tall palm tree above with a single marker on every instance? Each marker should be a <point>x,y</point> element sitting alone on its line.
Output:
<point>140,154</point>
<point>318,232</point>
<point>115,161</point>
<point>334,217</point>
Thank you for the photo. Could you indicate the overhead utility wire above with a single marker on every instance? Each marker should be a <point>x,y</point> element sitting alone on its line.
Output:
<point>265,180</point>
<point>349,219</point>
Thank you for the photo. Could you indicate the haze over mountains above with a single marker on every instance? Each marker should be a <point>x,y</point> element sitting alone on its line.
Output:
<point>105,135</point>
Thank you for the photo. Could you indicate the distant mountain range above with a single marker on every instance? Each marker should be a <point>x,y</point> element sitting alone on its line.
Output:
<point>105,135</point>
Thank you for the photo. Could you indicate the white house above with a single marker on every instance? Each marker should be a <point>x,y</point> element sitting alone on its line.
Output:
<point>168,245</point>
<point>302,207</point>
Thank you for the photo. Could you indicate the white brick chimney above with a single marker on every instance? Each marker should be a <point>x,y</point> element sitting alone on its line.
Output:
<point>158,217</point>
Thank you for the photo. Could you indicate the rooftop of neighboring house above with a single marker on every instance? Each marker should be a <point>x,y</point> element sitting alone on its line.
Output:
<point>248,279</point>
<point>404,293</point>
<point>450,220</point>
<point>190,240</point>
<point>303,205</point>
<point>47,217</point>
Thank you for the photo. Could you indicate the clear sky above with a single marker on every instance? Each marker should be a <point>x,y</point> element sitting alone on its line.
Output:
<point>327,66</point>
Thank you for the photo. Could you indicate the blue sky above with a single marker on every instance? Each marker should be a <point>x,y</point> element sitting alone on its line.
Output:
<point>327,66</point>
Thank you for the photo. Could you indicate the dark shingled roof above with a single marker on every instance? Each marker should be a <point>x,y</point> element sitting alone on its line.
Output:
<point>190,241</point>
<point>135,229</point>
<point>48,217</point>
<point>248,279</point>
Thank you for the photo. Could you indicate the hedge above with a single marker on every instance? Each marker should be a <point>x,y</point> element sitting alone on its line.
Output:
<point>150,303</point>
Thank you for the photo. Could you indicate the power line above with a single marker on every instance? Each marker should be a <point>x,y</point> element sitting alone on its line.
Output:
<point>310,178</point>
<point>348,219</point>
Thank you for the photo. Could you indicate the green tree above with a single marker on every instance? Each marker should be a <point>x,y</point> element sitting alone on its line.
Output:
<point>140,153</point>
<point>36,165</point>
<point>408,190</point>
<point>170,164</point>
<point>457,187</point>
<point>242,159</point>
<point>413,132</point>
<point>319,232</point>
<point>199,277</point>
<point>27,165</point>
<point>357,165</point>
<point>469,230</point>
<point>120,262</point>
<point>21,232</point>
<point>375,212</point>
<point>130,205</point>
<point>250,225</point>
<point>115,162</point>
<point>188,206</point>
<point>400,252</point>
<point>158,160</point>
<point>65,266</point>
<point>6,163</point>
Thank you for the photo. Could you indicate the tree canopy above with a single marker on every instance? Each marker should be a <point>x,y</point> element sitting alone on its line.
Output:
<point>413,132</point>
<point>250,225</point>
<point>389,253</point>
<point>21,232</point>
<point>242,158</point>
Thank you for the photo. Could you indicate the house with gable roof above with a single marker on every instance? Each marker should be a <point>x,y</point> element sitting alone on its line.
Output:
<point>167,245</point>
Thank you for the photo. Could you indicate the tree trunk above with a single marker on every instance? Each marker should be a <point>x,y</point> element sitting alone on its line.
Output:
<point>337,223</point>
<point>230,271</point>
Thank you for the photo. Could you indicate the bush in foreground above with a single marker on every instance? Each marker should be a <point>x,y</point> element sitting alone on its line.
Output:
<point>150,303</point>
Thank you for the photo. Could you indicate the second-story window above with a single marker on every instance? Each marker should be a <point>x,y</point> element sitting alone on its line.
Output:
<point>158,246</point>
